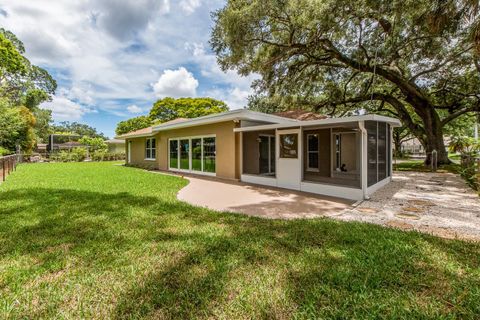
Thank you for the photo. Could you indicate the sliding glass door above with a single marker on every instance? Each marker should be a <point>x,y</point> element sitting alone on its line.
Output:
<point>209,155</point>
<point>173,154</point>
<point>267,154</point>
<point>196,154</point>
<point>185,154</point>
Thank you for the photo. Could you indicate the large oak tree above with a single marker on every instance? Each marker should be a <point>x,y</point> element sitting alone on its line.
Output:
<point>372,55</point>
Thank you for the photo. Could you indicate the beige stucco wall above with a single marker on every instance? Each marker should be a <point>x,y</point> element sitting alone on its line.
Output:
<point>227,148</point>
<point>137,153</point>
<point>226,157</point>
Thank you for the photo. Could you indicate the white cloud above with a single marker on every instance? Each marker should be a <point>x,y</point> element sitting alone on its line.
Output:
<point>231,87</point>
<point>176,83</point>
<point>107,54</point>
<point>134,109</point>
<point>189,6</point>
<point>65,109</point>
<point>235,97</point>
<point>122,19</point>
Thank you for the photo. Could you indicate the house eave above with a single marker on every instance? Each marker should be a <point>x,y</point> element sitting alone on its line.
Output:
<point>234,115</point>
<point>323,122</point>
<point>143,135</point>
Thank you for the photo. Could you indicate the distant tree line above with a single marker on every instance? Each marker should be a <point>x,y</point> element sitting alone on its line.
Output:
<point>168,109</point>
<point>23,87</point>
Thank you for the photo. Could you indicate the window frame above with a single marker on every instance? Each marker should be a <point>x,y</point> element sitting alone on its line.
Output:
<point>190,152</point>
<point>282,154</point>
<point>153,147</point>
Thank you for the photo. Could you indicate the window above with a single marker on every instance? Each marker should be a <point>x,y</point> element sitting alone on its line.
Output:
<point>312,152</point>
<point>192,154</point>
<point>289,146</point>
<point>150,149</point>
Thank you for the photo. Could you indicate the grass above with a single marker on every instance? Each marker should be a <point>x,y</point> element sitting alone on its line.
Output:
<point>95,240</point>
<point>418,165</point>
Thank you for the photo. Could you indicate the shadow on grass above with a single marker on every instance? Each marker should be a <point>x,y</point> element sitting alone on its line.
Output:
<point>327,269</point>
<point>232,266</point>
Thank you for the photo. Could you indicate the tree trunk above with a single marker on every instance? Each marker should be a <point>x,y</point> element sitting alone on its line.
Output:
<point>433,140</point>
<point>436,143</point>
<point>397,142</point>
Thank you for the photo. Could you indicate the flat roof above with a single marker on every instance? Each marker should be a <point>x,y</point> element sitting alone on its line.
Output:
<point>330,121</point>
<point>240,114</point>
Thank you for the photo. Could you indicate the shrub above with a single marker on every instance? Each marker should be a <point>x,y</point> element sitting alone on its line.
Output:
<point>78,154</point>
<point>64,156</point>
<point>4,152</point>
<point>98,155</point>
<point>468,149</point>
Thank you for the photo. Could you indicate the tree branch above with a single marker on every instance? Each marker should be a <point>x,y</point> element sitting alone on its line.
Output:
<point>458,113</point>
<point>440,65</point>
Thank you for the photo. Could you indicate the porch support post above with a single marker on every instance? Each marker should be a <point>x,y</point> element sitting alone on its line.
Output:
<point>390,146</point>
<point>364,159</point>
<point>241,156</point>
<point>301,147</point>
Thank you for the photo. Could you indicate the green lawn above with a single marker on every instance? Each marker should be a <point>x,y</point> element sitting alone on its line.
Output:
<point>418,165</point>
<point>95,240</point>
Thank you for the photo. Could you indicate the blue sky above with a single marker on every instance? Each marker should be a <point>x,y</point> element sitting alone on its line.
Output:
<point>113,58</point>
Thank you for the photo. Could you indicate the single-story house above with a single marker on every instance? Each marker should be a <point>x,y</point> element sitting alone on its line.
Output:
<point>116,145</point>
<point>347,157</point>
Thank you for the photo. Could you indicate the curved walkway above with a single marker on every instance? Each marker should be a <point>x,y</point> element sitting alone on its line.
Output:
<point>258,200</point>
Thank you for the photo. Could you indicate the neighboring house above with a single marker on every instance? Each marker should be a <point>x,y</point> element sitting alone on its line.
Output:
<point>57,142</point>
<point>344,157</point>
<point>116,145</point>
<point>413,147</point>
<point>41,148</point>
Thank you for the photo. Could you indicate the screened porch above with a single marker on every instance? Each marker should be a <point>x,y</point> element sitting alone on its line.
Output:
<point>332,155</point>
<point>258,153</point>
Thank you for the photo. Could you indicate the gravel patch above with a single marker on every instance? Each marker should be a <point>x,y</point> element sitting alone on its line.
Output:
<point>436,203</point>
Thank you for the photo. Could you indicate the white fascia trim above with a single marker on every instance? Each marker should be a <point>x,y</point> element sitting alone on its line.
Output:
<point>240,114</point>
<point>144,135</point>
<point>370,117</point>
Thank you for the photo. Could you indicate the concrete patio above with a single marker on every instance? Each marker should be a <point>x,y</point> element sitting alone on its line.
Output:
<point>259,200</point>
<point>435,203</point>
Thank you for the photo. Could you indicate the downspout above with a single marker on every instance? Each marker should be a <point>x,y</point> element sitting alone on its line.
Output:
<point>364,160</point>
